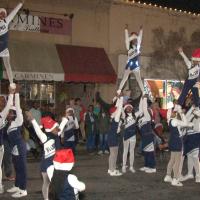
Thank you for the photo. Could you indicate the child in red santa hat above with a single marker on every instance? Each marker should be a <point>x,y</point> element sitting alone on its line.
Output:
<point>63,184</point>
<point>51,142</point>
<point>192,79</point>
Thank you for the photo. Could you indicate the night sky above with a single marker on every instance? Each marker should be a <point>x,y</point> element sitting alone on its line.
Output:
<point>185,5</point>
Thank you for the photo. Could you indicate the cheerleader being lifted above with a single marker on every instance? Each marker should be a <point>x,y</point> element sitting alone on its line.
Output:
<point>133,44</point>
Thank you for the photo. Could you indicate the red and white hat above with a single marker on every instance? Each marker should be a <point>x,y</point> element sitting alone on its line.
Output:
<point>112,110</point>
<point>63,159</point>
<point>48,123</point>
<point>127,105</point>
<point>196,55</point>
<point>3,10</point>
<point>133,36</point>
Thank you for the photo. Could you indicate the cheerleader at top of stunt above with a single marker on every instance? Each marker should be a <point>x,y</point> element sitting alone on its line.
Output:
<point>4,52</point>
<point>133,44</point>
<point>192,79</point>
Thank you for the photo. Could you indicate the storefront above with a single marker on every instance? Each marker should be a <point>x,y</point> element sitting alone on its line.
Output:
<point>164,90</point>
<point>52,74</point>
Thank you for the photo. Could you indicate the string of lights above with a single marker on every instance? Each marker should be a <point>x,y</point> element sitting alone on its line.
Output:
<point>135,2</point>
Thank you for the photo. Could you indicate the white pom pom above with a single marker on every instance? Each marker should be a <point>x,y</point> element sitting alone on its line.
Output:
<point>13,86</point>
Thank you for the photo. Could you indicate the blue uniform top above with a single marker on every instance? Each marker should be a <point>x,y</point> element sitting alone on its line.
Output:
<point>130,127</point>
<point>175,140</point>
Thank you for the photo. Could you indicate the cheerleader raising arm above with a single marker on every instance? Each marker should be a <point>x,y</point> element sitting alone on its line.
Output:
<point>127,41</point>
<point>139,38</point>
<point>145,108</point>
<point>19,118</point>
<point>42,136</point>
<point>117,113</point>
<point>185,58</point>
<point>12,14</point>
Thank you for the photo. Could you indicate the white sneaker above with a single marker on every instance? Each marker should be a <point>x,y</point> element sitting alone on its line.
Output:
<point>106,152</point>
<point>19,194</point>
<point>100,152</point>
<point>168,179</point>
<point>150,170</point>
<point>115,173</point>
<point>13,189</point>
<point>1,189</point>
<point>186,177</point>
<point>132,169</point>
<point>197,179</point>
<point>109,171</point>
<point>143,169</point>
<point>124,169</point>
<point>176,182</point>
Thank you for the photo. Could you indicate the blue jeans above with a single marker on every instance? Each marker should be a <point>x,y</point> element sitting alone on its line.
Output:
<point>103,142</point>
<point>91,141</point>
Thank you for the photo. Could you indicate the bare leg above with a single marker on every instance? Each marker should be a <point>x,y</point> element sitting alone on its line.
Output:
<point>45,186</point>
<point>124,79</point>
<point>6,61</point>
<point>139,80</point>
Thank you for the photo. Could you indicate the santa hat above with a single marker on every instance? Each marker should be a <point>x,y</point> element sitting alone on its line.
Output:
<point>48,123</point>
<point>3,10</point>
<point>69,109</point>
<point>63,159</point>
<point>112,110</point>
<point>127,105</point>
<point>196,55</point>
<point>133,36</point>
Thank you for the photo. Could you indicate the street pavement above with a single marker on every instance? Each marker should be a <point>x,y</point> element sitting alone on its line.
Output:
<point>92,169</point>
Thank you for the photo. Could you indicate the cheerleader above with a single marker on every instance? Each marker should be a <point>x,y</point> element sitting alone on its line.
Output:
<point>64,185</point>
<point>147,137</point>
<point>51,141</point>
<point>176,122</point>
<point>18,146</point>
<point>193,74</point>
<point>4,23</point>
<point>191,146</point>
<point>129,139</point>
<point>3,115</point>
<point>133,44</point>
<point>113,141</point>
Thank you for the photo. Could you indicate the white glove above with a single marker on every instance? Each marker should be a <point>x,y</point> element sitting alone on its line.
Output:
<point>13,86</point>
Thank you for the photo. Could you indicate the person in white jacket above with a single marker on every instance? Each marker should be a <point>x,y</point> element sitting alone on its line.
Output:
<point>4,28</point>
<point>64,185</point>
<point>133,45</point>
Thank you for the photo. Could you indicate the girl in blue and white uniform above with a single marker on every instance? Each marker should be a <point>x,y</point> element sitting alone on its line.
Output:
<point>51,141</point>
<point>129,138</point>
<point>113,140</point>
<point>147,137</point>
<point>3,115</point>
<point>192,79</point>
<point>191,145</point>
<point>176,123</point>
<point>18,146</point>
<point>133,44</point>
<point>4,25</point>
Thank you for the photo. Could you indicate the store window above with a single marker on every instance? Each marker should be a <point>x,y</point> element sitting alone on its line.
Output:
<point>41,91</point>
